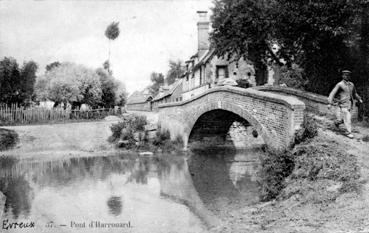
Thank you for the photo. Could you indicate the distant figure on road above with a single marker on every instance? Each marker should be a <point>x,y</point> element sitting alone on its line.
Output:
<point>343,96</point>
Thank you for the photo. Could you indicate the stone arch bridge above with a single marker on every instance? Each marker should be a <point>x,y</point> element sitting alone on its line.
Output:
<point>275,117</point>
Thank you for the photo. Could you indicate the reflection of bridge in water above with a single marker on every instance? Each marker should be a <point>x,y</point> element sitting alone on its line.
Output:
<point>118,182</point>
<point>275,117</point>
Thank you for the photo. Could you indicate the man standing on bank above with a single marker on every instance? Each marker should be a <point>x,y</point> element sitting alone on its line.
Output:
<point>343,96</point>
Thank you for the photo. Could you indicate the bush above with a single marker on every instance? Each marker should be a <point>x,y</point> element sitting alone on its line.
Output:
<point>309,130</point>
<point>162,136</point>
<point>8,139</point>
<point>164,142</point>
<point>275,167</point>
<point>126,128</point>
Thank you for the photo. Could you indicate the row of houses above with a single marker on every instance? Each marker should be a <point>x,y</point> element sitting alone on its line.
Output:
<point>204,70</point>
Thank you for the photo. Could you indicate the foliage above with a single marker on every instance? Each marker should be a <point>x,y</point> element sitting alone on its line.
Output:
<point>161,137</point>
<point>71,83</point>
<point>112,31</point>
<point>17,84</point>
<point>106,66</point>
<point>243,28</point>
<point>8,139</point>
<point>320,37</point>
<point>163,141</point>
<point>292,77</point>
<point>176,70</point>
<point>126,128</point>
<point>52,65</point>
<point>275,167</point>
<point>113,91</point>
<point>308,130</point>
<point>157,80</point>
<point>316,37</point>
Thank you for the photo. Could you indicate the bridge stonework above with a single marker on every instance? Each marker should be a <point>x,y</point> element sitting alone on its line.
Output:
<point>275,117</point>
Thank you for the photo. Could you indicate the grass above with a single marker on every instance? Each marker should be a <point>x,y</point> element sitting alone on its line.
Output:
<point>321,173</point>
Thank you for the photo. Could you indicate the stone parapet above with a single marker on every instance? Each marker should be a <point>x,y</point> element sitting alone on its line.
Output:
<point>314,102</point>
<point>276,117</point>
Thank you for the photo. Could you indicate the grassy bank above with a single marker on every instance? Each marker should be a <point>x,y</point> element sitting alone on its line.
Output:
<point>8,139</point>
<point>317,186</point>
<point>130,133</point>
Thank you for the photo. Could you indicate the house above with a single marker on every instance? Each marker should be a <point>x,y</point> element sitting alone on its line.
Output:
<point>205,69</point>
<point>168,94</point>
<point>139,101</point>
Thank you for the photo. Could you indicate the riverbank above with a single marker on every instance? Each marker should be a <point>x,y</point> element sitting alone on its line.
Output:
<point>54,141</point>
<point>323,205</point>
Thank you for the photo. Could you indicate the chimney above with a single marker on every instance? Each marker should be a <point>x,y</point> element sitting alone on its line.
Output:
<point>202,33</point>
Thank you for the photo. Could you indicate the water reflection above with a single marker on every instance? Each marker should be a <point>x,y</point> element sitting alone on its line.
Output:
<point>19,195</point>
<point>225,178</point>
<point>166,194</point>
<point>115,205</point>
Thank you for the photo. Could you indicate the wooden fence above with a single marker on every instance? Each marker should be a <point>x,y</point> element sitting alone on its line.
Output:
<point>15,115</point>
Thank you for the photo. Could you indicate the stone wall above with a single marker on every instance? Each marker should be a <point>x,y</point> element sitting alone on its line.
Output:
<point>274,116</point>
<point>314,103</point>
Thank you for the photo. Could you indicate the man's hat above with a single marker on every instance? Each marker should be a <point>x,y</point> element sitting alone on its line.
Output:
<point>346,72</point>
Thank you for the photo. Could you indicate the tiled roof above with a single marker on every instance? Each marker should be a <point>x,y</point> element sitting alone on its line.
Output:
<point>138,97</point>
<point>168,92</point>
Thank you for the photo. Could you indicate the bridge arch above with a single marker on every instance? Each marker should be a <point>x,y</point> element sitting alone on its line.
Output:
<point>275,117</point>
<point>224,116</point>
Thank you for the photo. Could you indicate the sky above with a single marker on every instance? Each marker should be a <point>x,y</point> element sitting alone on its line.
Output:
<point>151,33</point>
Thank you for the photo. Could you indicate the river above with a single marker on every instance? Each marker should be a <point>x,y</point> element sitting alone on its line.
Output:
<point>126,192</point>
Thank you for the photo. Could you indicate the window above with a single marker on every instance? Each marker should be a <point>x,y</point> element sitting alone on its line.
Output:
<point>221,73</point>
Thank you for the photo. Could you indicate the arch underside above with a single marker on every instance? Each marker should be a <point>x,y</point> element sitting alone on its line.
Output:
<point>212,120</point>
<point>215,123</point>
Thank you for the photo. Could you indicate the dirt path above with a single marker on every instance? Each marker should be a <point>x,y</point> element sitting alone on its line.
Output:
<point>56,140</point>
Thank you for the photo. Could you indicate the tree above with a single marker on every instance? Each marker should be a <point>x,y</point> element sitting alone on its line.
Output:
<point>157,80</point>
<point>314,34</point>
<point>121,94</point>
<point>16,85</point>
<point>106,66</point>
<point>112,32</point>
<point>9,80</point>
<point>27,81</point>
<point>52,65</point>
<point>176,70</point>
<point>242,28</point>
<point>70,83</point>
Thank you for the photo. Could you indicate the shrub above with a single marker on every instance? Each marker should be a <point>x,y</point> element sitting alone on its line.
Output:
<point>275,167</point>
<point>126,128</point>
<point>164,142</point>
<point>8,139</point>
<point>162,136</point>
<point>309,130</point>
